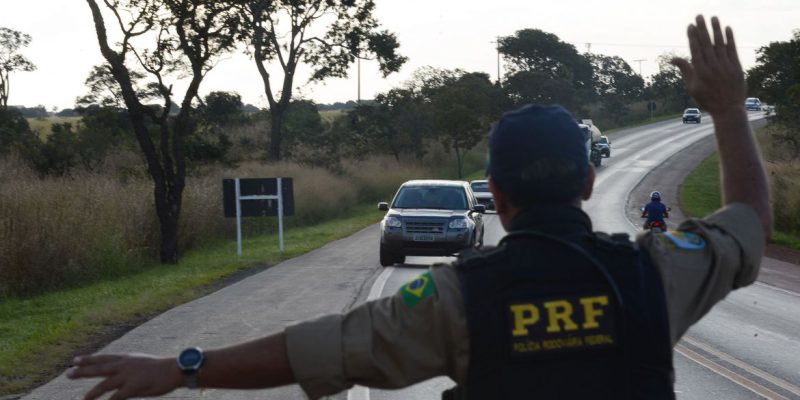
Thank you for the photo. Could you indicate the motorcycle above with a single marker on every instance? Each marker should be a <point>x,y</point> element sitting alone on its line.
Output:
<point>656,226</point>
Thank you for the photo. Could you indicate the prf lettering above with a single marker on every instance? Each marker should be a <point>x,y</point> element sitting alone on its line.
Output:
<point>558,315</point>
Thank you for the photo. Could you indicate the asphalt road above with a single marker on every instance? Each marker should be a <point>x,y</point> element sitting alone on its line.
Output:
<point>747,347</point>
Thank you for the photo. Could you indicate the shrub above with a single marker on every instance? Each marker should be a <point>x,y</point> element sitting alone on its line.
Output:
<point>780,146</point>
<point>14,129</point>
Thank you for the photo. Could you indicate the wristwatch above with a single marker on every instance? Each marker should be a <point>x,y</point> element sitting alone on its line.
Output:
<point>190,361</point>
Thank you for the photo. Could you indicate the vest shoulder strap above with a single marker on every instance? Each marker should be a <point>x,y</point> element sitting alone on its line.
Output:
<point>614,242</point>
<point>474,258</point>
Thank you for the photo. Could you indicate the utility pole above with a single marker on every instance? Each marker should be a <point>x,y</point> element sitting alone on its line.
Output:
<point>588,47</point>
<point>359,79</point>
<point>640,65</point>
<point>497,45</point>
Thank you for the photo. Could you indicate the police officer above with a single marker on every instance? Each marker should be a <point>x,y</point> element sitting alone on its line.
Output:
<point>555,311</point>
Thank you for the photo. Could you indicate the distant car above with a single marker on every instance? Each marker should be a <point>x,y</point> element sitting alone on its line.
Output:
<point>482,193</point>
<point>752,104</point>
<point>430,218</point>
<point>604,145</point>
<point>691,115</point>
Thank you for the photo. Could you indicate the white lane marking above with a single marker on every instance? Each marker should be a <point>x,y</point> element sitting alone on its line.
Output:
<point>360,392</point>
<point>787,386</point>
<point>784,291</point>
<point>379,284</point>
<point>728,374</point>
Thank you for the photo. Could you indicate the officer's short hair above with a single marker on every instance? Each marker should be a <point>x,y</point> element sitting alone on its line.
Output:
<point>538,155</point>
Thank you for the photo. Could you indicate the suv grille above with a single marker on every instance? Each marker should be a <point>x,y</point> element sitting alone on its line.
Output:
<point>424,227</point>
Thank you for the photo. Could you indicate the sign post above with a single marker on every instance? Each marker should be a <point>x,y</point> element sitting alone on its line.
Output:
<point>258,197</point>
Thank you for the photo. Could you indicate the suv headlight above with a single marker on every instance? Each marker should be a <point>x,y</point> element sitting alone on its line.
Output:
<point>460,223</point>
<point>394,222</point>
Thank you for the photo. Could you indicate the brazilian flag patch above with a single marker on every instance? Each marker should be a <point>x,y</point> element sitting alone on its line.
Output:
<point>418,289</point>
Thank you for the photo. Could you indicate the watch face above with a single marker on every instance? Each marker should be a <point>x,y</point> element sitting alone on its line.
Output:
<point>190,358</point>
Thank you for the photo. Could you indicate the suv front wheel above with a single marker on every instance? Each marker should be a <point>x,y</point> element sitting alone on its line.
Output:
<point>388,258</point>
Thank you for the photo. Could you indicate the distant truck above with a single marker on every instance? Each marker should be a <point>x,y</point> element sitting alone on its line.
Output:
<point>592,135</point>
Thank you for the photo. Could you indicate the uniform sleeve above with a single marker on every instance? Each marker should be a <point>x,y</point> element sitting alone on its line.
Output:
<point>391,342</point>
<point>704,260</point>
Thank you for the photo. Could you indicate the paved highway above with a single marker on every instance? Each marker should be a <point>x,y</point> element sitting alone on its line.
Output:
<point>746,348</point>
<point>722,356</point>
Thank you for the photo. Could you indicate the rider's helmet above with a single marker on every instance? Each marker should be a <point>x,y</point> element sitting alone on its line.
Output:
<point>655,196</point>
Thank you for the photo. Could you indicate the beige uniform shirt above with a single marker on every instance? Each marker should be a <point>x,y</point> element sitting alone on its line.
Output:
<point>388,344</point>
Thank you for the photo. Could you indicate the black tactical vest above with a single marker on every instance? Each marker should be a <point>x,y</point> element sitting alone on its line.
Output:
<point>566,314</point>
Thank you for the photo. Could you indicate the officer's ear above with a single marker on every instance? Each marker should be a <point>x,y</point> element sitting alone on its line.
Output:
<point>504,209</point>
<point>587,190</point>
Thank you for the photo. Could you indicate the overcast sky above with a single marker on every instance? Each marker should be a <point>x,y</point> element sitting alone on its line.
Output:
<point>439,33</point>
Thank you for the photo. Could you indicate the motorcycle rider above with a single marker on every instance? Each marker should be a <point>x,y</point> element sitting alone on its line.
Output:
<point>655,210</point>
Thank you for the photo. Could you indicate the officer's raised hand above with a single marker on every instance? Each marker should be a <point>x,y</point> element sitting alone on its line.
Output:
<point>714,77</point>
<point>715,80</point>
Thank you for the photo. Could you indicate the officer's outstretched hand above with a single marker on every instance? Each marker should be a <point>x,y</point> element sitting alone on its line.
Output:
<point>133,375</point>
<point>714,77</point>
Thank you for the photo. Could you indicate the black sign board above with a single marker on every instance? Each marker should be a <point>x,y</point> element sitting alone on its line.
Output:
<point>258,187</point>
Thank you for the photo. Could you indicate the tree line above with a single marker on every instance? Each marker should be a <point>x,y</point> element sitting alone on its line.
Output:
<point>132,94</point>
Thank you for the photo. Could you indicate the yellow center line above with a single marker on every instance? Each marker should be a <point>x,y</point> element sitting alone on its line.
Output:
<point>728,374</point>
<point>787,386</point>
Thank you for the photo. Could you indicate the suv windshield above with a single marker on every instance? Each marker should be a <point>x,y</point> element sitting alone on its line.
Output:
<point>692,111</point>
<point>437,197</point>
<point>480,186</point>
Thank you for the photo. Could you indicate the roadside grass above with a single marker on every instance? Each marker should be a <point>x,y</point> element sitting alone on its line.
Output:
<point>42,125</point>
<point>700,196</point>
<point>783,239</point>
<point>39,335</point>
<point>700,193</point>
<point>642,123</point>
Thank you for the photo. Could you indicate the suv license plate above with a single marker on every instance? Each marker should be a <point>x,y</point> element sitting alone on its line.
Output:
<point>423,238</point>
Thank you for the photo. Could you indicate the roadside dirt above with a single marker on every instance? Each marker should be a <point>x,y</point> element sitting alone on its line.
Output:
<point>783,253</point>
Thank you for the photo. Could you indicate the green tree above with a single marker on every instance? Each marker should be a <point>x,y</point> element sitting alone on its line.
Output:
<point>222,107</point>
<point>57,155</point>
<point>14,129</point>
<point>776,78</point>
<point>101,130</point>
<point>326,35</point>
<point>186,38</point>
<point>542,68</point>
<point>11,42</point>
<point>463,112</point>
<point>302,124</point>
<point>407,120</point>
<point>615,84</point>
<point>667,85</point>
<point>104,91</point>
